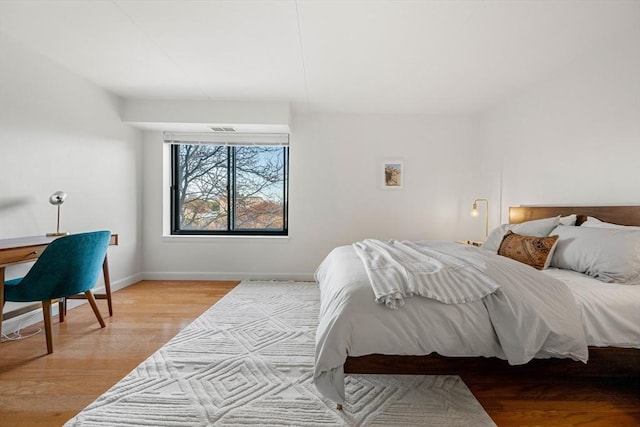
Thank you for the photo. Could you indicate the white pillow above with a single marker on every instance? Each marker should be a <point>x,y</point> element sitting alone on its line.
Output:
<point>537,228</point>
<point>569,219</point>
<point>592,222</point>
<point>609,255</point>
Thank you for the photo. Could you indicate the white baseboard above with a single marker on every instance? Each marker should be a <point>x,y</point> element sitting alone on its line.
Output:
<point>123,283</point>
<point>302,277</point>
<point>35,316</point>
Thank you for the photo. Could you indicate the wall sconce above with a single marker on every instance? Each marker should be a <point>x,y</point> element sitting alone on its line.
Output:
<point>57,199</point>
<point>474,212</point>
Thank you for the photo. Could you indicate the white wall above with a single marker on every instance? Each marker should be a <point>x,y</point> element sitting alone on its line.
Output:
<point>573,138</point>
<point>59,132</point>
<point>198,115</point>
<point>335,196</point>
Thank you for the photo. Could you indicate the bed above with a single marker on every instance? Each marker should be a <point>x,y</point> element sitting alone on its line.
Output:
<point>598,335</point>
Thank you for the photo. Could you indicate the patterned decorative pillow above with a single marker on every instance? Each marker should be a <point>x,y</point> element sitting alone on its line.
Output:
<point>530,250</point>
<point>537,227</point>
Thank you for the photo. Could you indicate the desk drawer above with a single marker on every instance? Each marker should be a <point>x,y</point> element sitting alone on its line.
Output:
<point>16,255</point>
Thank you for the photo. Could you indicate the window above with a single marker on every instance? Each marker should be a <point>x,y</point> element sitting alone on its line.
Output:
<point>229,189</point>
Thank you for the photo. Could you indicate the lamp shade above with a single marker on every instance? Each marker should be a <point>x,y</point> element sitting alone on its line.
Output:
<point>57,198</point>
<point>474,209</point>
<point>474,213</point>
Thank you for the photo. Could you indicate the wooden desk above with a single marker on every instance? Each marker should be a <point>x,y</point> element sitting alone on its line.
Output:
<point>26,249</point>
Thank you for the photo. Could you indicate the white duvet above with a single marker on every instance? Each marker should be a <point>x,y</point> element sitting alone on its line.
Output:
<point>529,315</point>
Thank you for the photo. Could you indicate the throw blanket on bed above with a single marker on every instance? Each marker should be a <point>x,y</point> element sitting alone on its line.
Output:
<point>399,270</point>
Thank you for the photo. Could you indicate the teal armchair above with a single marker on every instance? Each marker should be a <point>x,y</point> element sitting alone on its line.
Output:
<point>68,266</point>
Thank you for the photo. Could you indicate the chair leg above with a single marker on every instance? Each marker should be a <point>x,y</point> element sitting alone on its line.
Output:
<point>1,299</point>
<point>61,310</point>
<point>46,311</point>
<point>94,306</point>
<point>107,284</point>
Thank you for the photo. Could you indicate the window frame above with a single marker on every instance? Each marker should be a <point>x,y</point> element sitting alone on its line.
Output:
<point>174,205</point>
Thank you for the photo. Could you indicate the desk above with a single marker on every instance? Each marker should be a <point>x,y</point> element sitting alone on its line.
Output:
<point>26,249</point>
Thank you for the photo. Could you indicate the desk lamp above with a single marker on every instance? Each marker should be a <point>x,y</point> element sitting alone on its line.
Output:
<point>57,199</point>
<point>474,212</point>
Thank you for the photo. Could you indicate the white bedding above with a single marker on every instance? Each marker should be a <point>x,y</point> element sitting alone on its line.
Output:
<point>352,324</point>
<point>610,311</point>
<point>399,270</point>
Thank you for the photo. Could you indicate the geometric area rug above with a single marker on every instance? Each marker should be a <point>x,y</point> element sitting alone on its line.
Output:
<point>248,361</point>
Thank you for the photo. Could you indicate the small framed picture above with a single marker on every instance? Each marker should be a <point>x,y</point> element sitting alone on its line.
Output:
<point>392,174</point>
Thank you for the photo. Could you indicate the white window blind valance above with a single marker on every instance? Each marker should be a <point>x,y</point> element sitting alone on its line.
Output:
<point>223,138</point>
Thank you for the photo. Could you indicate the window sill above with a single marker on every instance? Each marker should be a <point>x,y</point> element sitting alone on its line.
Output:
<point>194,238</point>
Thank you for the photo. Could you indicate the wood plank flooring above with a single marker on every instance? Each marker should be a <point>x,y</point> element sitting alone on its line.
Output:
<point>41,390</point>
<point>37,389</point>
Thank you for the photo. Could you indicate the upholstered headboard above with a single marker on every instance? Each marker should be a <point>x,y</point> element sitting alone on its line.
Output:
<point>623,215</point>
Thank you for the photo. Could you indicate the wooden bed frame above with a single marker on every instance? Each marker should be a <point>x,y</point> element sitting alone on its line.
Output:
<point>603,361</point>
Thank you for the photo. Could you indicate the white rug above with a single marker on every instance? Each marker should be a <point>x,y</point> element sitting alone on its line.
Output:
<point>248,360</point>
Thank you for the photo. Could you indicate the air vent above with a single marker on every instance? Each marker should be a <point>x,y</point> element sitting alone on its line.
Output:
<point>223,129</point>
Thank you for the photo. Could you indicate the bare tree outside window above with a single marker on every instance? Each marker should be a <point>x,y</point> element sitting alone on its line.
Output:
<point>235,189</point>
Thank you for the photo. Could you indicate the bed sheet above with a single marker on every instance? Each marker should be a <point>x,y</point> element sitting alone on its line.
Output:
<point>610,311</point>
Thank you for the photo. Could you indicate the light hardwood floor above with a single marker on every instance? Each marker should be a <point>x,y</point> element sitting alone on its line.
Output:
<point>37,389</point>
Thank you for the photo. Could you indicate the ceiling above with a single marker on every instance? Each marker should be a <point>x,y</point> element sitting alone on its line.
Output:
<point>384,56</point>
